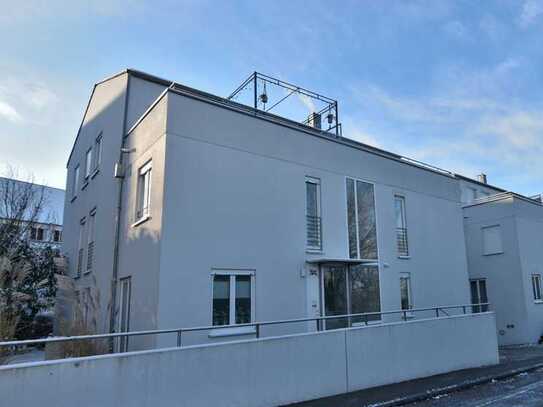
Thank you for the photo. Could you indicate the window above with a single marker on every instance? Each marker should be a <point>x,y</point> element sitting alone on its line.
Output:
<point>88,163</point>
<point>536,286</point>
<point>405,291</point>
<point>233,301</point>
<point>401,226</point>
<point>98,151</point>
<point>36,233</point>
<point>75,181</point>
<point>57,236</point>
<point>80,249</point>
<point>478,295</point>
<point>124,314</point>
<point>313,214</point>
<point>144,191</point>
<point>90,241</point>
<point>492,240</point>
<point>361,220</point>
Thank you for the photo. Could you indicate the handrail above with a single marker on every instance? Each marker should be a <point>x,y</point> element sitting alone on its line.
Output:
<point>257,325</point>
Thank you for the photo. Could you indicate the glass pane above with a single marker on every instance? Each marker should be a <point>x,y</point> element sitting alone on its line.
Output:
<point>311,199</point>
<point>335,296</point>
<point>404,292</point>
<point>243,299</point>
<point>482,295</point>
<point>365,294</point>
<point>221,300</point>
<point>474,295</point>
<point>367,234</point>
<point>351,219</point>
<point>398,207</point>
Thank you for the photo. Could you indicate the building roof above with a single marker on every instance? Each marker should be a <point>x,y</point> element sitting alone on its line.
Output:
<point>53,210</point>
<point>501,197</point>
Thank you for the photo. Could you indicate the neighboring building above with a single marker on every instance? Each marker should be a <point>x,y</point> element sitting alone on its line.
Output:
<point>46,229</point>
<point>504,242</point>
<point>230,215</point>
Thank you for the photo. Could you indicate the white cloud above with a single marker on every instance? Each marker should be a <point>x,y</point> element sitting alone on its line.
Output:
<point>9,112</point>
<point>531,10</point>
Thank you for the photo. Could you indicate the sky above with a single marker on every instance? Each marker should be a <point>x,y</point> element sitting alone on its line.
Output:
<point>456,84</point>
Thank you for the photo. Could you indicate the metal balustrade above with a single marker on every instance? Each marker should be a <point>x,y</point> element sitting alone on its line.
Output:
<point>314,232</point>
<point>362,319</point>
<point>401,241</point>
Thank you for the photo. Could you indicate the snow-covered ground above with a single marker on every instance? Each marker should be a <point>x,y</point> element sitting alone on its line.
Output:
<point>523,390</point>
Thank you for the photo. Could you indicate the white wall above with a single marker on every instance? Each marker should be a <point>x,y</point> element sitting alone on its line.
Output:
<point>258,373</point>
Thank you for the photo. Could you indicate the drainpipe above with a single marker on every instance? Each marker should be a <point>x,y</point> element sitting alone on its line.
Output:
<point>115,272</point>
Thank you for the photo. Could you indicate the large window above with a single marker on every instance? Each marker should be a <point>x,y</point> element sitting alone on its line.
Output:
<point>478,295</point>
<point>405,291</point>
<point>75,181</point>
<point>143,204</point>
<point>401,226</point>
<point>361,220</point>
<point>90,241</point>
<point>351,290</point>
<point>492,240</point>
<point>536,286</point>
<point>37,233</point>
<point>313,214</point>
<point>233,298</point>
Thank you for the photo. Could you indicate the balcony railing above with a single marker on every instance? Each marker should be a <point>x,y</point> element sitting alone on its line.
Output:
<point>314,232</point>
<point>401,242</point>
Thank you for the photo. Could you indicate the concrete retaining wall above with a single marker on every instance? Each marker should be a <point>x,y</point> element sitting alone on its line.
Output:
<point>266,372</point>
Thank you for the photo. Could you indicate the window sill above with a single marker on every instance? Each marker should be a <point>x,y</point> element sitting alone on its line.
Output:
<point>538,301</point>
<point>85,185</point>
<point>404,257</point>
<point>95,173</point>
<point>313,251</point>
<point>87,272</point>
<point>492,254</point>
<point>141,220</point>
<point>223,332</point>
<point>73,198</point>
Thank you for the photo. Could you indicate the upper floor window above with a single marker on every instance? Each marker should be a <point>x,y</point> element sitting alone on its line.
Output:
<point>536,286</point>
<point>91,237</point>
<point>233,300</point>
<point>313,213</point>
<point>401,226</point>
<point>98,151</point>
<point>143,203</point>
<point>88,163</point>
<point>37,233</point>
<point>57,236</point>
<point>492,240</point>
<point>362,231</point>
<point>75,180</point>
<point>81,248</point>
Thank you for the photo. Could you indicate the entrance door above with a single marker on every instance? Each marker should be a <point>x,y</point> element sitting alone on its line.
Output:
<point>350,289</point>
<point>124,315</point>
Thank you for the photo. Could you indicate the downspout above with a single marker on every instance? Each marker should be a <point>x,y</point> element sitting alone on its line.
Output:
<point>115,272</point>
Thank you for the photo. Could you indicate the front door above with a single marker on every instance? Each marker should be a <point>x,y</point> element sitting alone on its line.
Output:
<point>350,289</point>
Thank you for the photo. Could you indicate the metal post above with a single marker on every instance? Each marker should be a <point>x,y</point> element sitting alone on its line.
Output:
<point>257,330</point>
<point>405,315</point>
<point>179,338</point>
<point>464,309</point>
<point>437,312</point>
<point>255,91</point>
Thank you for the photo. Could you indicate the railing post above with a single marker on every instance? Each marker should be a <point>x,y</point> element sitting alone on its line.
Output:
<point>179,338</point>
<point>437,312</point>
<point>258,330</point>
<point>464,309</point>
<point>405,315</point>
<point>366,319</point>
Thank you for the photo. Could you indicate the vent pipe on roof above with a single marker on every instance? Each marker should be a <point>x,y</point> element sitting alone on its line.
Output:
<point>315,120</point>
<point>481,178</point>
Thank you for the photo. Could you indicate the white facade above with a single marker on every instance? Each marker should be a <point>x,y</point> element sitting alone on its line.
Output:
<point>214,210</point>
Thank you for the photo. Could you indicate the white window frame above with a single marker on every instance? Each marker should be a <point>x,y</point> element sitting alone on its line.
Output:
<point>88,163</point>
<point>75,180</point>
<point>407,276</point>
<point>401,198</point>
<point>98,151</point>
<point>536,288</point>
<point>477,281</point>
<point>369,261</point>
<point>228,330</point>
<point>143,201</point>
<point>317,182</point>
<point>487,227</point>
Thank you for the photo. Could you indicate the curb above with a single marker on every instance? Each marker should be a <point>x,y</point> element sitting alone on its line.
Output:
<point>456,387</point>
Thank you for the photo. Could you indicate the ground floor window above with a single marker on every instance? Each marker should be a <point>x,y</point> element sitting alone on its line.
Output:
<point>405,291</point>
<point>350,289</point>
<point>478,295</point>
<point>233,298</point>
<point>536,286</point>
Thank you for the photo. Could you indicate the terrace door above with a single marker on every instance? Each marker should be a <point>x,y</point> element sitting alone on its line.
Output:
<point>334,281</point>
<point>124,312</point>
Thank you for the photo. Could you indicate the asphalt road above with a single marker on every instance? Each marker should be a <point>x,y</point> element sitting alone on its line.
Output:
<point>523,390</point>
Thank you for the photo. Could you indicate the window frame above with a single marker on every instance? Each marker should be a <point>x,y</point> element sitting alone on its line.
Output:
<point>478,308</point>
<point>232,274</point>
<point>317,182</point>
<point>75,180</point>
<point>487,227</point>
<point>401,198</point>
<point>406,276</point>
<point>536,288</point>
<point>376,260</point>
<point>88,163</point>
<point>91,240</point>
<point>145,172</point>
<point>80,254</point>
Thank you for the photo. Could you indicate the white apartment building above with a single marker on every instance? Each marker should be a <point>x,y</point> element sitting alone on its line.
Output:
<point>220,214</point>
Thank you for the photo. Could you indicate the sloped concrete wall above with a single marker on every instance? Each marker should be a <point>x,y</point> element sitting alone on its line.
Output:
<point>254,373</point>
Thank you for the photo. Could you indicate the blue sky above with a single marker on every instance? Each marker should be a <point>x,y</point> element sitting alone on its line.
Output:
<point>457,84</point>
